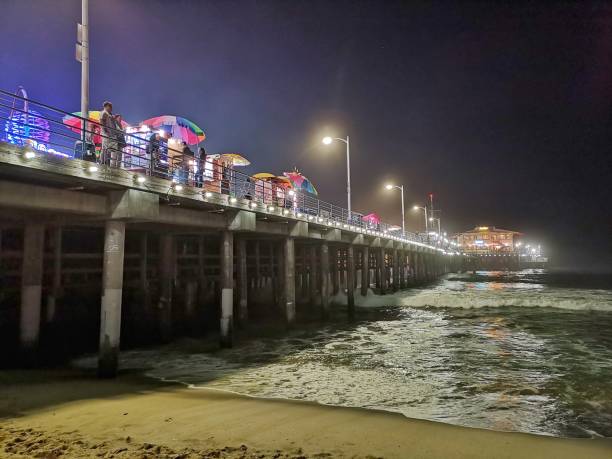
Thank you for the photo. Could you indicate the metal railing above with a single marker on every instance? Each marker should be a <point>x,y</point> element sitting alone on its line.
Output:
<point>55,132</point>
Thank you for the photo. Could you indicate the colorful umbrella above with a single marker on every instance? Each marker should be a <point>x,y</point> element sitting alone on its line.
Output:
<point>282,181</point>
<point>181,128</point>
<point>264,176</point>
<point>74,123</point>
<point>235,159</point>
<point>372,219</point>
<point>300,182</point>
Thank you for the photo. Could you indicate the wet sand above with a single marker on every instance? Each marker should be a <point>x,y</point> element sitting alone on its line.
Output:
<point>74,415</point>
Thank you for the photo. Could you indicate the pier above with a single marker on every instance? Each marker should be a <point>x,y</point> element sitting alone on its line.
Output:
<point>156,258</point>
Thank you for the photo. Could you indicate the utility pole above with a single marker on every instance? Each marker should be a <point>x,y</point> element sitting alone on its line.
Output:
<point>82,54</point>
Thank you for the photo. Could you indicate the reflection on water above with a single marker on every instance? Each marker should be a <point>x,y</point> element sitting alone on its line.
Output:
<point>504,351</point>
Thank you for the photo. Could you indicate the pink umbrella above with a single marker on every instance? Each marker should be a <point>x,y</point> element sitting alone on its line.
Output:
<point>299,182</point>
<point>372,219</point>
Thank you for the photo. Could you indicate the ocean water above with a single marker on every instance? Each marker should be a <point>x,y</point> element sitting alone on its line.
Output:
<point>524,351</point>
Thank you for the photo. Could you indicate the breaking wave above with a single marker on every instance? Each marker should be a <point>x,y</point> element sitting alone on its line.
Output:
<point>455,292</point>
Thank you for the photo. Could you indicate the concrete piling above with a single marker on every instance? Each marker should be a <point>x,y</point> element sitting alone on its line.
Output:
<point>56,283</point>
<point>350,284</point>
<point>365,271</point>
<point>382,269</point>
<point>167,261</point>
<point>31,289</point>
<point>325,279</point>
<point>227,288</point>
<point>289,280</point>
<point>396,273</point>
<point>112,289</point>
<point>242,282</point>
<point>312,276</point>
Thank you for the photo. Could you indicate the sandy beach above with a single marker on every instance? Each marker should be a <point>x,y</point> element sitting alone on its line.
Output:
<point>52,414</point>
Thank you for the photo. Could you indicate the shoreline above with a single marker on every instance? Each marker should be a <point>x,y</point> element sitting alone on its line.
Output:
<point>72,414</point>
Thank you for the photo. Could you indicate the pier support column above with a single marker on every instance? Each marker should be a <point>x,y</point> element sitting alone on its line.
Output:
<point>112,289</point>
<point>56,283</point>
<point>325,279</point>
<point>31,288</point>
<point>143,268</point>
<point>144,253</point>
<point>350,281</point>
<point>396,270</point>
<point>402,268</point>
<point>243,313</point>
<point>201,269</point>
<point>335,271</point>
<point>365,271</point>
<point>383,271</point>
<point>227,289</point>
<point>258,283</point>
<point>167,260</point>
<point>312,276</point>
<point>277,252</point>
<point>191,295</point>
<point>289,280</point>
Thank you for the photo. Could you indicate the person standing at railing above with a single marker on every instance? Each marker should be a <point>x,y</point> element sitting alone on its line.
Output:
<point>187,160</point>
<point>154,153</point>
<point>121,143</point>
<point>199,178</point>
<point>110,144</point>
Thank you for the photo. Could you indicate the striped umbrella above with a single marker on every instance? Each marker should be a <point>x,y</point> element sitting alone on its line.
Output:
<point>74,122</point>
<point>300,182</point>
<point>181,128</point>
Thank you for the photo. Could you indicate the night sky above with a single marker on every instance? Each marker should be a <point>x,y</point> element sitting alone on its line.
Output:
<point>502,111</point>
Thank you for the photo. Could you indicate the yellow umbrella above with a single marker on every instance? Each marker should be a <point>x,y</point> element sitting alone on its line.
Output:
<point>263,176</point>
<point>235,159</point>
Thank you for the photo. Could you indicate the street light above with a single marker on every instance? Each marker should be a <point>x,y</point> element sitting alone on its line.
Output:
<point>424,209</point>
<point>401,188</point>
<point>432,219</point>
<point>328,141</point>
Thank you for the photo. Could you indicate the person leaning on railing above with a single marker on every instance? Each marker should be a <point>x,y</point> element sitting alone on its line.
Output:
<point>201,172</point>
<point>111,152</point>
<point>187,160</point>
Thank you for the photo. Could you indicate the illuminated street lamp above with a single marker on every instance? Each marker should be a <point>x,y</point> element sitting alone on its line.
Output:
<point>401,188</point>
<point>424,209</point>
<point>432,219</point>
<point>328,141</point>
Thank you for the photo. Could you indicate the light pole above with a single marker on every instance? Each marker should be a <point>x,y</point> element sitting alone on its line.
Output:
<point>82,55</point>
<point>401,188</point>
<point>329,140</point>
<point>432,219</point>
<point>424,209</point>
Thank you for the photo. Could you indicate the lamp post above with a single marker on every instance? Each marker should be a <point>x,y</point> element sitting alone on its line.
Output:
<point>432,219</point>
<point>424,209</point>
<point>401,188</point>
<point>329,140</point>
<point>83,46</point>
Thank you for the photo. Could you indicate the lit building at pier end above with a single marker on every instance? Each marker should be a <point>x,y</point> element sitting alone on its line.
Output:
<point>488,240</point>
